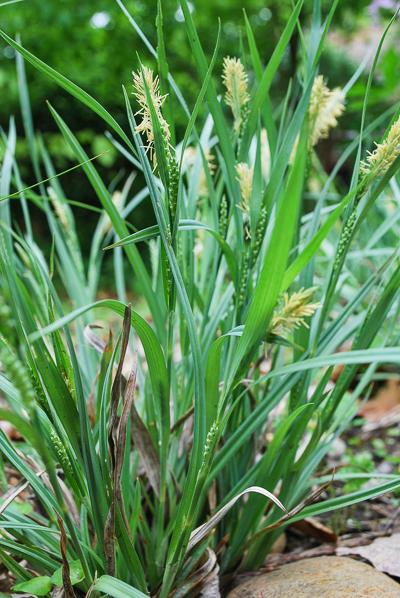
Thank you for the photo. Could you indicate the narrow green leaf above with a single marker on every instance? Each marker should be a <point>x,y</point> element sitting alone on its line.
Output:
<point>116,588</point>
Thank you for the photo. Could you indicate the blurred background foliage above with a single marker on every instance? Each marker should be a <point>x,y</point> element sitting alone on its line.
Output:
<point>93,44</point>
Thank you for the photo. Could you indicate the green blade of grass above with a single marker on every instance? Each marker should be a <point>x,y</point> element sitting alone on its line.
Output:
<point>268,75</point>
<point>116,588</point>
<point>272,273</point>
<point>116,219</point>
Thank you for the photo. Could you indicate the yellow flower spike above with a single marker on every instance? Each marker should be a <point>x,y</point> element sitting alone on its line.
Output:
<point>141,79</point>
<point>59,208</point>
<point>245,178</point>
<point>235,79</point>
<point>326,106</point>
<point>379,161</point>
<point>295,309</point>
<point>190,155</point>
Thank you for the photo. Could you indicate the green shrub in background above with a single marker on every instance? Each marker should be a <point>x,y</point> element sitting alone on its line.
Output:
<point>93,42</point>
<point>139,446</point>
<point>99,53</point>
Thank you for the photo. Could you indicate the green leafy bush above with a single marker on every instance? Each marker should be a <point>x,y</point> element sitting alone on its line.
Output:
<point>140,444</point>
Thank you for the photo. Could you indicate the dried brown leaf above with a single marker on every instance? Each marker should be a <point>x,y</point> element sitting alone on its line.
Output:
<point>289,514</point>
<point>199,533</point>
<point>117,383</point>
<point>386,401</point>
<point>116,500</point>
<point>382,553</point>
<point>12,494</point>
<point>148,455</point>
<point>67,585</point>
<point>94,341</point>
<point>204,582</point>
<point>313,528</point>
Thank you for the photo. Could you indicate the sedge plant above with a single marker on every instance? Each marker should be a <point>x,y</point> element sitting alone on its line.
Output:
<point>173,445</point>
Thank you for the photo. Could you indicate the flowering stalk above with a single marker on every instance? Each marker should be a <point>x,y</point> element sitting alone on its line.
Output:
<point>245,179</point>
<point>326,106</point>
<point>380,160</point>
<point>244,279</point>
<point>144,82</point>
<point>237,97</point>
<point>223,216</point>
<point>296,307</point>
<point>147,92</point>
<point>259,234</point>
<point>376,164</point>
<point>190,156</point>
<point>18,373</point>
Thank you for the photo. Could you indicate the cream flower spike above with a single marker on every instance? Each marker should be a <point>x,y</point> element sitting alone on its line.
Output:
<point>295,309</point>
<point>380,160</point>
<point>245,178</point>
<point>59,208</point>
<point>190,155</point>
<point>235,79</point>
<point>145,127</point>
<point>326,106</point>
<point>118,200</point>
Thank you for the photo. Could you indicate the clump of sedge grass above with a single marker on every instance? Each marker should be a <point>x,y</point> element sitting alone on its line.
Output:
<point>139,439</point>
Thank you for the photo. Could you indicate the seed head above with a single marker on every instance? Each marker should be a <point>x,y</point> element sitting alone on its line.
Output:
<point>260,232</point>
<point>295,309</point>
<point>7,324</point>
<point>326,105</point>
<point>209,444</point>
<point>223,216</point>
<point>379,161</point>
<point>244,279</point>
<point>235,79</point>
<point>141,79</point>
<point>260,145</point>
<point>60,451</point>
<point>59,208</point>
<point>190,157</point>
<point>17,372</point>
<point>245,177</point>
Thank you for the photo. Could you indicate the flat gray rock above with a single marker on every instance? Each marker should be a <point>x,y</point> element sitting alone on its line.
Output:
<point>321,577</point>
